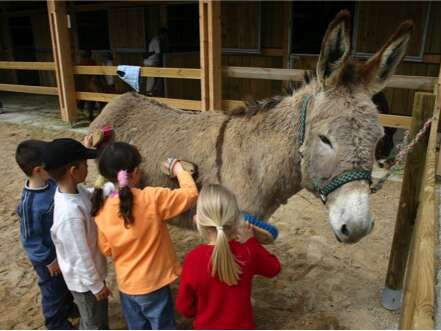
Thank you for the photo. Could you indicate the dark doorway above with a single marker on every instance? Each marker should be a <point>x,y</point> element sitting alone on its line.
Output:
<point>23,47</point>
<point>310,20</point>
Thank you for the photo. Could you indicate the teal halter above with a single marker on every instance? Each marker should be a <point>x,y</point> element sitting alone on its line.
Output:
<point>339,180</point>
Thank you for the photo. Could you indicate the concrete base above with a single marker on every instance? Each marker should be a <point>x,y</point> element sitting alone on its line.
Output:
<point>391,299</point>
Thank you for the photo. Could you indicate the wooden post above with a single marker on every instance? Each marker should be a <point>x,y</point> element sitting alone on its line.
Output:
<point>215,54</point>
<point>409,200</point>
<point>61,49</point>
<point>210,54</point>
<point>419,290</point>
<point>203,51</point>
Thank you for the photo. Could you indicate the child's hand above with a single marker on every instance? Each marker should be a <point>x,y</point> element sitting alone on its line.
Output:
<point>177,168</point>
<point>54,269</point>
<point>88,140</point>
<point>103,294</point>
<point>245,232</point>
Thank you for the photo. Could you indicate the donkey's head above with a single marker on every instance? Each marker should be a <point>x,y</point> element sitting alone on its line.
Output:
<point>342,126</point>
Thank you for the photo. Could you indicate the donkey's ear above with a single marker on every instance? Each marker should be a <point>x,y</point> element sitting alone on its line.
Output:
<point>381,66</point>
<point>336,46</point>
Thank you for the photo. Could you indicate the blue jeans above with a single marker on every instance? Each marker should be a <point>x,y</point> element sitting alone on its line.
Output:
<point>152,311</point>
<point>56,299</point>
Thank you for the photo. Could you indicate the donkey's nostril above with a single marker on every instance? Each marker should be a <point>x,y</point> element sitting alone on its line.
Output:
<point>344,230</point>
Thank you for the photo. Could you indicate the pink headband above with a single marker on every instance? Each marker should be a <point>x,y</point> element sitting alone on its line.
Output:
<point>123,178</point>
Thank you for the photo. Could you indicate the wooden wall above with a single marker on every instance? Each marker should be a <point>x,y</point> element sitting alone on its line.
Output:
<point>371,38</point>
<point>43,47</point>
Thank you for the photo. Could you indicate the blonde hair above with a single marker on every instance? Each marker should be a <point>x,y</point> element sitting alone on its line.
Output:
<point>217,208</point>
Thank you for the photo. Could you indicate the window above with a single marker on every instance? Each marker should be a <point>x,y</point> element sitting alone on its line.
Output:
<point>310,21</point>
<point>93,30</point>
<point>183,27</point>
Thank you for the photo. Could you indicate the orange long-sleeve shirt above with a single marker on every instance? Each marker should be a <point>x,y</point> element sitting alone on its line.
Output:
<point>143,254</point>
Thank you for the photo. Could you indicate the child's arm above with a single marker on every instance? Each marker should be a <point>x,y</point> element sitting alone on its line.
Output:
<point>32,228</point>
<point>72,235</point>
<point>186,297</point>
<point>171,203</point>
<point>266,264</point>
<point>103,244</point>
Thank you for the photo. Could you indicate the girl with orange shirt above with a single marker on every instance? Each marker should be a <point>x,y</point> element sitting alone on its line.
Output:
<point>132,229</point>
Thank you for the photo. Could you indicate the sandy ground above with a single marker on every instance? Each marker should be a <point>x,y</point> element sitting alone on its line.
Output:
<point>323,285</point>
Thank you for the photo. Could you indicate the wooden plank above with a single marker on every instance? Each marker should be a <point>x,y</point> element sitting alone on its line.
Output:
<point>423,108</point>
<point>432,58</point>
<point>62,57</point>
<point>392,121</point>
<point>203,42</point>
<point>422,83</point>
<point>273,51</point>
<point>264,73</point>
<point>214,55</point>
<point>395,121</point>
<point>419,295</point>
<point>183,73</point>
<point>107,97</point>
<point>27,65</point>
<point>29,89</point>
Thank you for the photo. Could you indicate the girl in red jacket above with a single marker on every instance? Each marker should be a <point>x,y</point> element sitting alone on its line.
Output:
<point>215,286</point>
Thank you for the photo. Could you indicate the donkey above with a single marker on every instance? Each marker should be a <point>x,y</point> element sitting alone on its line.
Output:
<point>321,138</point>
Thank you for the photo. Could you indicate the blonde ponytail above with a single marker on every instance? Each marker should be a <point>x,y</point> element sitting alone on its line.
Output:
<point>217,209</point>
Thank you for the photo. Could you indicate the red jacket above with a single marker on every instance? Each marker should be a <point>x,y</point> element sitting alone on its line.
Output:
<point>214,304</point>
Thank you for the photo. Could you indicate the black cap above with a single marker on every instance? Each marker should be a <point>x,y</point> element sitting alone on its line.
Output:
<point>60,152</point>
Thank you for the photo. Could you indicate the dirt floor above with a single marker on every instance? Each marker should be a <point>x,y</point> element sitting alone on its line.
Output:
<point>323,284</point>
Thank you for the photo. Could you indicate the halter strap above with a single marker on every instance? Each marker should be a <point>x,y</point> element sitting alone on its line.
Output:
<point>339,180</point>
<point>305,104</point>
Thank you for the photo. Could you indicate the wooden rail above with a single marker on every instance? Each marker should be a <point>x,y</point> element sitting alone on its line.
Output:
<point>29,89</point>
<point>422,83</point>
<point>27,65</point>
<point>183,73</point>
<point>106,97</point>
<point>393,121</point>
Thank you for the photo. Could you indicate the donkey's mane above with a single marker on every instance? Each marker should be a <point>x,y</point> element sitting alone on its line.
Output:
<point>253,107</point>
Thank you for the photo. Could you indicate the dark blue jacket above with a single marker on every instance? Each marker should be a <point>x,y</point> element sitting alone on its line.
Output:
<point>36,212</point>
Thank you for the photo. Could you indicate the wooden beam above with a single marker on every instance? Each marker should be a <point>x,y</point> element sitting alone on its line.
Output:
<point>29,89</point>
<point>407,208</point>
<point>272,51</point>
<point>27,65</point>
<point>423,83</point>
<point>107,97</point>
<point>203,53</point>
<point>183,73</point>
<point>214,55</point>
<point>419,294</point>
<point>432,58</point>
<point>62,57</point>
<point>392,121</point>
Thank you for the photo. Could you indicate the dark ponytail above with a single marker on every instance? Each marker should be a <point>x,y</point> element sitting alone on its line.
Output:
<point>97,201</point>
<point>115,158</point>
<point>126,206</point>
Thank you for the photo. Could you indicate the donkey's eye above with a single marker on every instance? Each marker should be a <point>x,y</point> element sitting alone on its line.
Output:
<point>325,140</point>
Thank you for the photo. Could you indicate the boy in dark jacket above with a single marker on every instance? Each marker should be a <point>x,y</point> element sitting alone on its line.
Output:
<point>35,210</point>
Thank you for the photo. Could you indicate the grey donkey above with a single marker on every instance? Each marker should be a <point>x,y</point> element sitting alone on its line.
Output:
<point>264,152</point>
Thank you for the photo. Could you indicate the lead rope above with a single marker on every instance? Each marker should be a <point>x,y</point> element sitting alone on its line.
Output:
<point>403,150</point>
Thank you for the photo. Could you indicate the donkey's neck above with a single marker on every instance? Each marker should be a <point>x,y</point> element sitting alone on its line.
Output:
<point>270,140</point>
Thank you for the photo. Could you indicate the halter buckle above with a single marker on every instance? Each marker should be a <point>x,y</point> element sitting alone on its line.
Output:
<point>323,198</point>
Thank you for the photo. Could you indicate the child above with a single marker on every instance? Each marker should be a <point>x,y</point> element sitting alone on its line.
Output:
<point>132,229</point>
<point>74,232</point>
<point>36,210</point>
<point>216,280</point>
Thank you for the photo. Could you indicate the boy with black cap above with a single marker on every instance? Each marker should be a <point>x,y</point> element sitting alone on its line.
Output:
<point>36,210</point>
<point>74,231</point>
